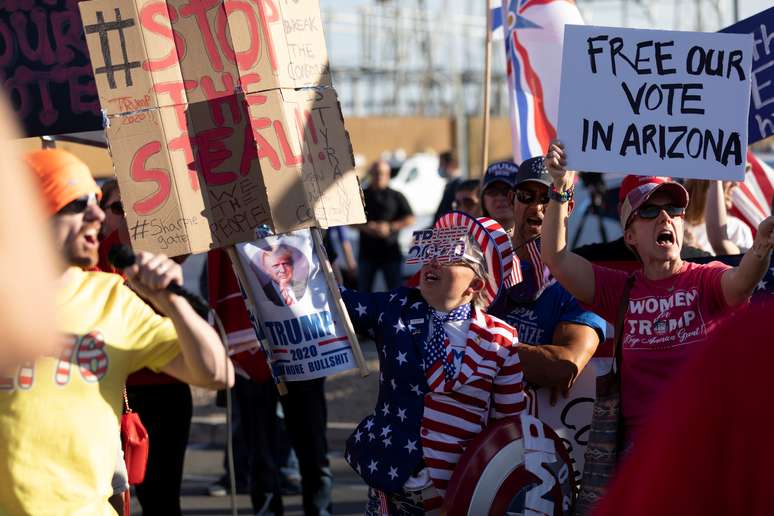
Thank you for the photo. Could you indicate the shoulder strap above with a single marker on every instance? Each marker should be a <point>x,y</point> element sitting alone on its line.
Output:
<point>619,323</point>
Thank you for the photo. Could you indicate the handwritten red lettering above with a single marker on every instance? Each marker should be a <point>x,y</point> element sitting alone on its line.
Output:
<point>265,150</point>
<point>176,91</point>
<point>199,9</point>
<point>139,173</point>
<point>249,152</point>
<point>269,13</point>
<point>126,104</point>
<point>210,90</point>
<point>246,58</point>
<point>168,14</point>
<point>306,122</point>
<point>183,144</point>
<point>212,152</point>
<point>290,158</point>
<point>247,79</point>
<point>221,31</point>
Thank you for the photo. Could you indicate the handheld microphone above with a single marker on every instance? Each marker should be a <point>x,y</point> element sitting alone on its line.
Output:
<point>121,256</point>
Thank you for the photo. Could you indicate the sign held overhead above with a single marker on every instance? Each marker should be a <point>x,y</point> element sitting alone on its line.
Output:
<point>761,26</point>
<point>44,67</point>
<point>209,137</point>
<point>655,102</point>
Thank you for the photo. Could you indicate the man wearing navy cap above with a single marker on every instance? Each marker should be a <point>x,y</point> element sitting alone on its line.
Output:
<point>557,337</point>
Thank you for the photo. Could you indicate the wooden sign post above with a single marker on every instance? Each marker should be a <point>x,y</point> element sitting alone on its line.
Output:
<point>339,302</point>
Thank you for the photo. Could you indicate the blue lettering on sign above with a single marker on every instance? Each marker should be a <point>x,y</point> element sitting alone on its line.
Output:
<point>306,328</point>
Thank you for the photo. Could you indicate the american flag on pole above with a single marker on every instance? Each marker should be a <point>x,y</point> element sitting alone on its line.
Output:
<point>534,34</point>
<point>752,198</point>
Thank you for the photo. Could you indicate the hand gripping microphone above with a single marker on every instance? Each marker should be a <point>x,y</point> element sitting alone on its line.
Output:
<point>122,256</point>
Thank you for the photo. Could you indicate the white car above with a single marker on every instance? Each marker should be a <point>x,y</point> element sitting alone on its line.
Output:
<point>418,180</point>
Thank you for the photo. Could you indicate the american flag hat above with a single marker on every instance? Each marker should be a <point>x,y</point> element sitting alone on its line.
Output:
<point>502,265</point>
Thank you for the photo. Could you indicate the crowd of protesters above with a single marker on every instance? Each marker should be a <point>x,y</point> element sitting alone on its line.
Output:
<point>125,338</point>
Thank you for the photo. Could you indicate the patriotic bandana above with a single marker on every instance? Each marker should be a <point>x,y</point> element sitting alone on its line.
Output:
<point>436,348</point>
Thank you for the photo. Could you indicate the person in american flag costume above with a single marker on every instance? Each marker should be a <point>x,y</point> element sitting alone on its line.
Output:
<point>447,369</point>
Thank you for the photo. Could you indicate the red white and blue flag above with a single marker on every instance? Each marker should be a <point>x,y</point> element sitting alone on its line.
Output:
<point>534,35</point>
<point>753,197</point>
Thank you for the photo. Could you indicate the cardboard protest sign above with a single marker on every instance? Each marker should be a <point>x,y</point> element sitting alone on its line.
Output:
<point>761,26</point>
<point>205,175</point>
<point>278,44</point>
<point>44,67</point>
<point>152,53</point>
<point>200,162</point>
<point>655,102</point>
<point>306,335</point>
<point>306,158</point>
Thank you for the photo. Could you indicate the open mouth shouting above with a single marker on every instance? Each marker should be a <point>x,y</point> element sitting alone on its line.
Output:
<point>90,237</point>
<point>534,222</point>
<point>430,277</point>
<point>665,238</point>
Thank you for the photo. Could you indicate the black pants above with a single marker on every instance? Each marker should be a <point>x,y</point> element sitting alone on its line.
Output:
<point>306,421</point>
<point>165,410</point>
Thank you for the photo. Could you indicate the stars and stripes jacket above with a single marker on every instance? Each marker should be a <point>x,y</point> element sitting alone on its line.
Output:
<point>422,416</point>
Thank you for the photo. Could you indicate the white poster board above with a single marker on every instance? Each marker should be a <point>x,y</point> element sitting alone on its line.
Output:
<point>652,102</point>
<point>306,335</point>
<point>570,417</point>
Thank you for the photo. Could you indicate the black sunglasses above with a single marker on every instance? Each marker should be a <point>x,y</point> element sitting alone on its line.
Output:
<point>651,211</point>
<point>527,197</point>
<point>79,205</point>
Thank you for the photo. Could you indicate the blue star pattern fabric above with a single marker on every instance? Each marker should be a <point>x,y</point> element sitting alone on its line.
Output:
<point>437,345</point>
<point>386,447</point>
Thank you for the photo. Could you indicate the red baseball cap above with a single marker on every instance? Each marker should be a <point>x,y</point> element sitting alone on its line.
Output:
<point>636,190</point>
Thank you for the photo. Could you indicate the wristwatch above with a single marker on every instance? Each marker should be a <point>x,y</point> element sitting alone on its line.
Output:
<point>561,197</point>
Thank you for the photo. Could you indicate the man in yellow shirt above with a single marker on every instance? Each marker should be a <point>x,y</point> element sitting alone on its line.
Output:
<point>59,415</point>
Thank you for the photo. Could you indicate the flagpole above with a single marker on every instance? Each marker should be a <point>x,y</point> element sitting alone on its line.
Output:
<point>487,86</point>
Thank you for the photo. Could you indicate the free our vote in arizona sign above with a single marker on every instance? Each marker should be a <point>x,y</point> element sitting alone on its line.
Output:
<point>655,102</point>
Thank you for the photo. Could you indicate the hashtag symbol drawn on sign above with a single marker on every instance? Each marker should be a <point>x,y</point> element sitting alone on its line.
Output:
<point>138,230</point>
<point>102,28</point>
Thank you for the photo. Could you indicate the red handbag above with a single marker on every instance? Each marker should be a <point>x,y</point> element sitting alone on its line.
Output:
<point>134,441</point>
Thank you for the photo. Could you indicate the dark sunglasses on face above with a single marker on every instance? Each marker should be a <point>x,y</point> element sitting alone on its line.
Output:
<point>527,197</point>
<point>79,205</point>
<point>651,211</point>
